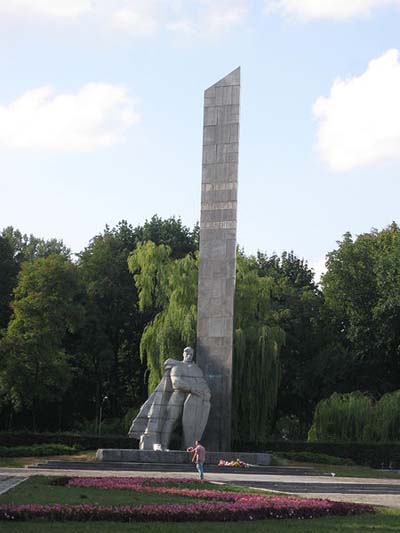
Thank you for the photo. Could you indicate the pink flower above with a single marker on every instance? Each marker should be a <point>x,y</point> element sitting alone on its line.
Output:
<point>210,505</point>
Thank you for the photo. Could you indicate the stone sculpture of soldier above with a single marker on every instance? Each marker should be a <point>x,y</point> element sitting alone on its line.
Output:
<point>181,393</point>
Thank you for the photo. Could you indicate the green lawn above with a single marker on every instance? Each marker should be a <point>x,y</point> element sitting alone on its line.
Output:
<point>351,471</point>
<point>39,490</point>
<point>384,521</point>
<point>339,470</point>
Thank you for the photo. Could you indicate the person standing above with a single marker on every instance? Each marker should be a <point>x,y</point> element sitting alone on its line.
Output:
<point>199,457</point>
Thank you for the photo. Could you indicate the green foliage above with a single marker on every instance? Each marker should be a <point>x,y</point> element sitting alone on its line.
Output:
<point>80,441</point>
<point>100,356</point>
<point>109,426</point>
<point>92,329</point>
<point>16,248</point>
<point>375,455</point>
<point>8,276</point>
<point>288,427</point>
<point>299,306</point>
<point>171,287</point>
<point>342,417</point>
<point>127,419</point>
<point>49,490</point>
<point>151,266</point>
<point>171,232</point>
<point>28,248</point>
<point>108,342</point>
<point>39,450</point>
<point>318,458</point>
<point>362,289</point>
<point>257,344</point>
<point>34,365</point>
<point>385,425</point>
<point>355,417</point>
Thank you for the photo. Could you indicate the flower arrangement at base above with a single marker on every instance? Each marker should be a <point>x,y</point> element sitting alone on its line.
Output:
<point>238,463</point>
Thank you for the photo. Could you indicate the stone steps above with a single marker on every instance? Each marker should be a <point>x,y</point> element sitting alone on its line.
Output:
<point>175,457</point>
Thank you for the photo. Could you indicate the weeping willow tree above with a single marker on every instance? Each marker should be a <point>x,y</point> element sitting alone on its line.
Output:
<point>257,343</point>
<point>169,286</point>
<point>342,418</point>
<point>385,424</point>
<point>355,417</point>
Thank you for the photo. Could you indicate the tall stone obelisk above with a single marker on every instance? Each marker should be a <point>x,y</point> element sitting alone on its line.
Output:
<point>217,270</point>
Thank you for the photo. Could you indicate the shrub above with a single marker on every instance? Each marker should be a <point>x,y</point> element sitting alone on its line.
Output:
<point>372,454</point>
<point>39,450</point>
<point>385,424</point>
<point>355,417</point>
<point>318,458</point>
<point>127,420</point>
<point>85,442</point>
<point>109,426</point>
<point>342,418</point>
<point>289,428</point>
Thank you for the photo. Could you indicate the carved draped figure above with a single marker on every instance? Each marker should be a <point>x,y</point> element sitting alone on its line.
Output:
<point>181,393</point>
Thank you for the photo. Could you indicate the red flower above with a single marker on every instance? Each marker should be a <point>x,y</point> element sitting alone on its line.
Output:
<point>219,506</point>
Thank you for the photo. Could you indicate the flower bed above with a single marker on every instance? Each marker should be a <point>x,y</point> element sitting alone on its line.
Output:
<point>153,485</point>
<point>211,505</point>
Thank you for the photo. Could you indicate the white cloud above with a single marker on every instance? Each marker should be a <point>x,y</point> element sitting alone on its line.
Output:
<point>94,117</point>
<point>332,9</point>
<point>139,18</point>
<point>201,18</point>
<point>211,18</point>
<point>223,15</point>
<point>359,123</point>
<point>46,8</point>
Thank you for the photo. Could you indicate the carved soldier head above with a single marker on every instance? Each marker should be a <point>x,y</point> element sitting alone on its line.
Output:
<point>188,354</point>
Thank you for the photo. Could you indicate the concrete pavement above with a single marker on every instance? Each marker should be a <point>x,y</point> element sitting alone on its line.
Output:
<point>8,482</point>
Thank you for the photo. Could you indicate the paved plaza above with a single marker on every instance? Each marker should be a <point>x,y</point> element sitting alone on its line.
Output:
<point>10,481</point>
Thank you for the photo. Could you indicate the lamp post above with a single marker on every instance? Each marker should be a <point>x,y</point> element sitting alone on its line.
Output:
<point>105,398</point>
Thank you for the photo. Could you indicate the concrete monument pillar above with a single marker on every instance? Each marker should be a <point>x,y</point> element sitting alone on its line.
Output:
<point>217,268</point>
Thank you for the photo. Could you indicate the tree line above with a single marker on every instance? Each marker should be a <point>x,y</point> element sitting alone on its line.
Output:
<point>75,330</point>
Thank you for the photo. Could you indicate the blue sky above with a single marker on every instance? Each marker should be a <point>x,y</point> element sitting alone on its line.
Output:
<point>101,115</point>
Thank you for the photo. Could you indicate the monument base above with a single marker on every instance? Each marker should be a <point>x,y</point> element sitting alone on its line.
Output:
<point>177,457</point>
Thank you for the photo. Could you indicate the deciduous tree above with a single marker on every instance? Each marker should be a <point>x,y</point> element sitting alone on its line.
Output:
<point>34,362</point>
